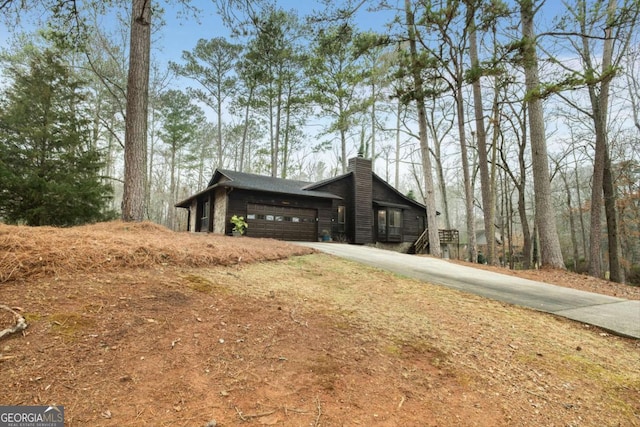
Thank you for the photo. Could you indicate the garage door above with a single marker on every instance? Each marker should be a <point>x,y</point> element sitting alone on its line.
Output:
<point>282,222</point>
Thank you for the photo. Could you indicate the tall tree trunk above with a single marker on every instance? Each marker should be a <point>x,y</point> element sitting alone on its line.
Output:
<point>494,154</point>
<point>430,199</point>
<point>397,168</point>
<point>437,154</point>
<point>583,232</point>
<point>343,150</point>
<point>287,125</point>
<point>135,146</point>
<point>483,161</point>
<point>550,253</point>
<point>374,149</point>
<point>466,176</point>
<point>276,143</point>
<point>172,188</point>
<point>616,272</point>
<point>572,223</point>
<point>520,183</point>
<point>219,144</point>
<point>245,129</point>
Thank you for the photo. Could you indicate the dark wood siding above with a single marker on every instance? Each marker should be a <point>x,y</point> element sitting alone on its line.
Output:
<point>282,222</point>
<point>414,217</point>
<point>343,188</point>
<point>362,195</point>
<point>239,200</point>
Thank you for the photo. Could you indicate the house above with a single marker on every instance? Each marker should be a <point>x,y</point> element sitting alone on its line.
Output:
<point>357,207</point>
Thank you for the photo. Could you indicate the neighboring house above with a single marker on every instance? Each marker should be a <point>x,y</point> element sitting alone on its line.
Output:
<point>357,207</point>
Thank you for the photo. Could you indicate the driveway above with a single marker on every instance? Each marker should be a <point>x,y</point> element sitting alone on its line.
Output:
<point>617,315</point>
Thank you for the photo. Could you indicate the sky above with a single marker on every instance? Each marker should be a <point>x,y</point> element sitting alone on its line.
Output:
<point>182,34</point>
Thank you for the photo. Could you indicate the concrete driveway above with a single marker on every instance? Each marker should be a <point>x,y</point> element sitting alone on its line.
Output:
<point>617,315</point>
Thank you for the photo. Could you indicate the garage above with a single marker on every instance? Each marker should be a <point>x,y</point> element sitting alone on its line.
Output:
<point>282,222</point>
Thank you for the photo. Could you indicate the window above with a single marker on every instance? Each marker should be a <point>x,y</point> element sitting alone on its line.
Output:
<point>389,224</point>
<point>395,222</point>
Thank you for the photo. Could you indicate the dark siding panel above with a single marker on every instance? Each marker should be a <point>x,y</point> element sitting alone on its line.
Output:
<point>282,222</point>
<point>239,199</point>
<point>363,199</point>
<point>413,217</point>
<point>329,216</point>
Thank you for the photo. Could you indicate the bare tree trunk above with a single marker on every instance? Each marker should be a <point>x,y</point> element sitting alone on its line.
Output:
<point>600,105</point>
<point>219,143</point>
<point>135,147</point>
<point>483,161</point>
<point>551,255</point>
<point>172,188</point>
<point>585,253</point>
<point>572,222</point>
<point>245,129</point>
<point>374,149</point>
<point>616,272</point>
<point>430,200</point>
<point>437,154</point>
<point>397,169</point>
<point>466,176</point>
<point>520,182</point>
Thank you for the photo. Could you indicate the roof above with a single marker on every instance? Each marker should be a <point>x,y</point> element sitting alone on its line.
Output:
<point>392,189</point>
<point>248,181</point>
<point>312,185</point>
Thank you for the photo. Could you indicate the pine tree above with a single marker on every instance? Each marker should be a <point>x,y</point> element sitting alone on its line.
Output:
<point>49,170</point>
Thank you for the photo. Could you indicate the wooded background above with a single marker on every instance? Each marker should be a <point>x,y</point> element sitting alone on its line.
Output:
<point>514,117</point>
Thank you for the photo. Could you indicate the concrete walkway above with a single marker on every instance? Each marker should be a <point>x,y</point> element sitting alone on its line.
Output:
<point>616,315</point>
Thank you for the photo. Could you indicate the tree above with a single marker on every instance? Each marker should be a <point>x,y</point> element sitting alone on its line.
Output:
<point>135,139</point>
<point>476,71</point>
<point>335,77</point>
<point>419,97</point>
<point>181,121</point>
<point>211,64</point>
<point>444,39</point>
<point>49,169</point>
<point>272,69</point>
<point>589,19</point>
<point>551,254</point>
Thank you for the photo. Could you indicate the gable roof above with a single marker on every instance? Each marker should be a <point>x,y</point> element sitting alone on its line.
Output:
<point>250,181</point>
<point>314,185</point>
<point>394,190</point>
<point>225,178</point>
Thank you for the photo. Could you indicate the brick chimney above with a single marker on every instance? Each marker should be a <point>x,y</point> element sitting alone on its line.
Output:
<point>362,199</point>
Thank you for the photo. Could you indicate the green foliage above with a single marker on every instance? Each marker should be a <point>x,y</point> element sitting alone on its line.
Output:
<point>181,119</point>
<point>335,74</point>
<point>239,224</point>
<point>210,64</point>
<point>50,171</point>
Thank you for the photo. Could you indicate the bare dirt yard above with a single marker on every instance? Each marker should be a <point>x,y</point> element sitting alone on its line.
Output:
<point>135,325</point>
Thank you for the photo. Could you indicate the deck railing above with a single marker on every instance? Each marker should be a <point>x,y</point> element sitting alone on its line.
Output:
<point>446,237</point>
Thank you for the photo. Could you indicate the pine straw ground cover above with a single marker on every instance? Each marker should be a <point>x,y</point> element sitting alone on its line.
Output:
<point>134,325</point>
<point>27,252</point>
